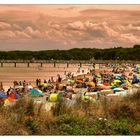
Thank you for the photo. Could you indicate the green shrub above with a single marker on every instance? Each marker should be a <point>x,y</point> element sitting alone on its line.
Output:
<point>121,111</point>
<point>31,125</point>
<point>137,129</point>
<point>121,127</point>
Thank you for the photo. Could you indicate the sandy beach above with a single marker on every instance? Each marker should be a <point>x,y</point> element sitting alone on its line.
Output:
<point>9,73</point>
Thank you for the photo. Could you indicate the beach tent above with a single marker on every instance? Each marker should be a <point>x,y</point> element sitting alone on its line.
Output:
<point>106,92</point>
<point>106,84</point>
<point>44,84</point>
<point>100,86</point>
<point>128,84</point>
<point>12,95</point>
<point>116,81</point>
<point>136,69</point>
<point>135,79</point>
<point>84,85</point>
<point>55,97</point>
<point>36,92</point>
<point>71,81</point>
<point>9,102</point>
<point>94,95</point>
<point>79,80</point>
<point>2,95</point>
<point>29,87</point>
<point>98,75</point>
<point>118,89</point>
<point>122,93</point>
<point>69,88</point>
<point>18,87</point>
<point>88,98</point>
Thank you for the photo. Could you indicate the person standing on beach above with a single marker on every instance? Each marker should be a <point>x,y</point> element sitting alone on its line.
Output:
<point>49,81</point>
<point>52,79</point>
<point>37,82</point>
<point>59,79</point>
<point>95,80</point>
<point>1,87</point>
<point>45,81</point>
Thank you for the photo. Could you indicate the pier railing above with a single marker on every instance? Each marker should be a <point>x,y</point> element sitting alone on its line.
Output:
<point>80,62</point>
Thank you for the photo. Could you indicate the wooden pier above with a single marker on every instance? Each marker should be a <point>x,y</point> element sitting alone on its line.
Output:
<point>67,62</point>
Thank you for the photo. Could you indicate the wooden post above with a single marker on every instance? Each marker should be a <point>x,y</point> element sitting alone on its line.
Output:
<point>1,64</point>
<point>80,64</point>
<point>41,64</point>
<point>15,64</point>
<point>93,65</point>
<point>28,65</point>
<point>67,64</point>
<point>54,64</point>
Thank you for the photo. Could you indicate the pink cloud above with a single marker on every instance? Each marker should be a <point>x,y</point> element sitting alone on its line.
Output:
<point>4,25</point>
<point>22,35</point>
<point>7,34</point>
<point>32,33</point>
<point>89,27</point>
<point>76,25</point>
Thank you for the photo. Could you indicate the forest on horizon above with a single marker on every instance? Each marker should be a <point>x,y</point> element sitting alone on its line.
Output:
<point>118,53</point>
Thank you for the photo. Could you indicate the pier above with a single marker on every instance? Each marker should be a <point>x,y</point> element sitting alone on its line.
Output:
<point>14,63</point>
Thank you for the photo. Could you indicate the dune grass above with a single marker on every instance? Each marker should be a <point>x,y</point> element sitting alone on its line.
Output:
<point>104,117</point>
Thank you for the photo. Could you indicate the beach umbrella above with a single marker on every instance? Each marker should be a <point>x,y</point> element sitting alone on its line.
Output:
<point>116,81</point>
<point>90,84</point>
<point>36,92</point>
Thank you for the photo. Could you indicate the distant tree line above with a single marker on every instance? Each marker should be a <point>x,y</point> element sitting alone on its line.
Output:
<point>75,54</point>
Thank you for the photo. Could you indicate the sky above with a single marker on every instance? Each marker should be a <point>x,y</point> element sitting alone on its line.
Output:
<point>46,27</point>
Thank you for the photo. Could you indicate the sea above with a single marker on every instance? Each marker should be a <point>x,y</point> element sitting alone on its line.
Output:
<point>9,73</point>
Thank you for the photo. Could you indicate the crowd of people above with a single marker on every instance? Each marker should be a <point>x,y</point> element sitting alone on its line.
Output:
<point>109,77</point>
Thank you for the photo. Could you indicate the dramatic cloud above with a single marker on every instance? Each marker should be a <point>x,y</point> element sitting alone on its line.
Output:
<point>4,26</point>
<point>38,27</point>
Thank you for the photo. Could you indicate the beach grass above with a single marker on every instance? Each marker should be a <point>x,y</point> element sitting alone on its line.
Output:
<point>104,117</point>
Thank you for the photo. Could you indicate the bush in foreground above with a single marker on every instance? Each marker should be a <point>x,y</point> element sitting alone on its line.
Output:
<point>104,117</point>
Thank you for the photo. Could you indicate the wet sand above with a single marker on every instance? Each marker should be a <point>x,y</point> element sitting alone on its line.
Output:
<point>9,73</point>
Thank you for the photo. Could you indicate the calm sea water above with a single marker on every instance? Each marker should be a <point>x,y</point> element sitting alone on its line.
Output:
<point>9,73</point>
